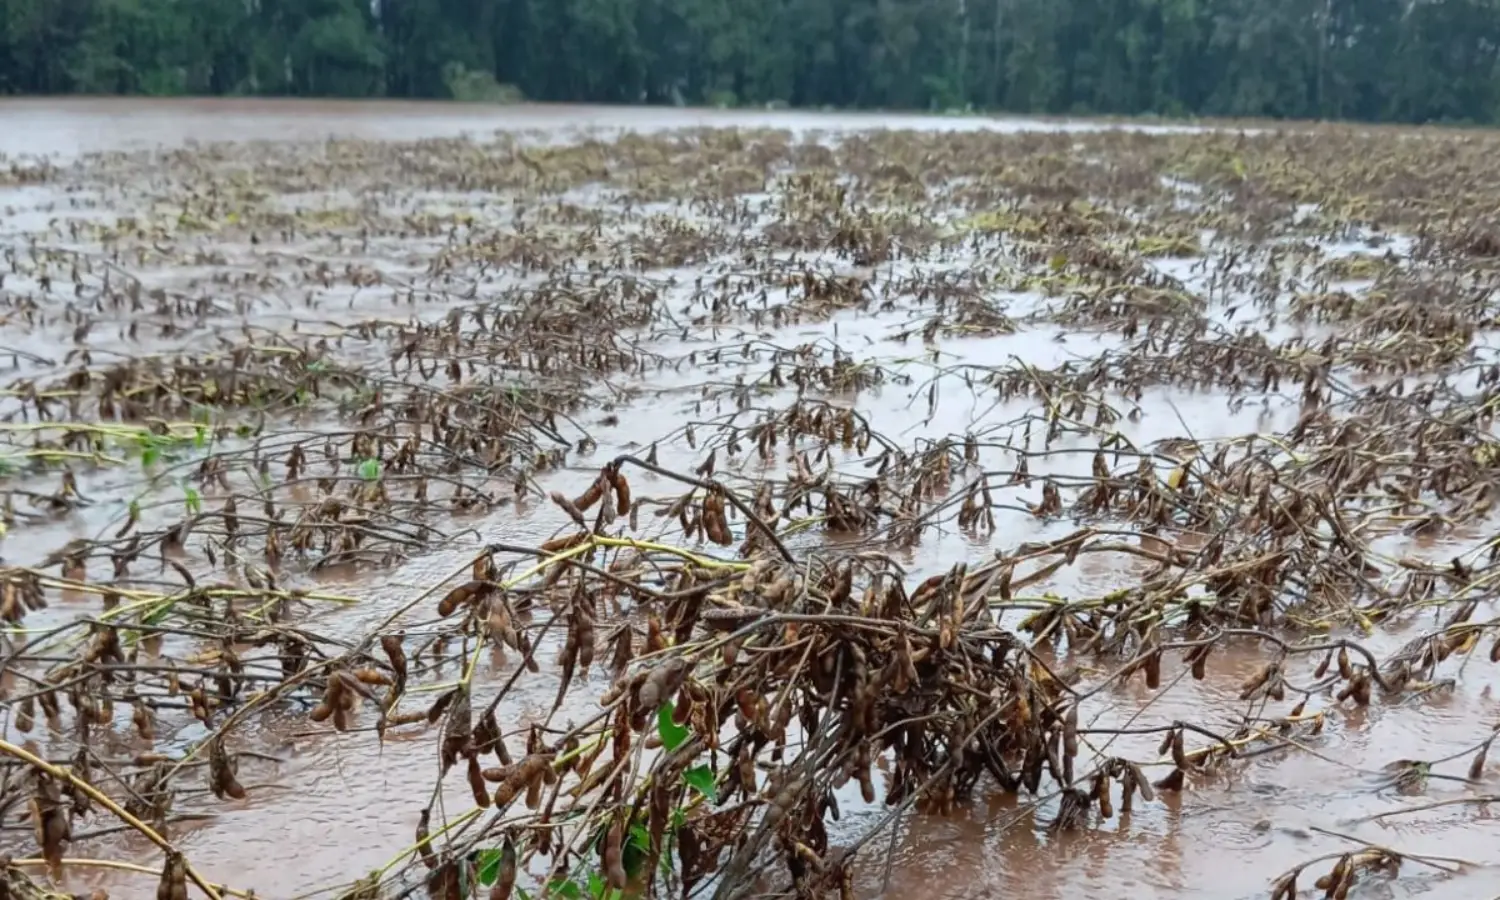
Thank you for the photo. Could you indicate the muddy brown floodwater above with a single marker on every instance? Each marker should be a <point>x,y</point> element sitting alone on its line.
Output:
<point>962,286</point>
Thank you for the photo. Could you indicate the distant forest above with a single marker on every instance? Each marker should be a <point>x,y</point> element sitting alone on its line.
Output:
<point>1373,60</point>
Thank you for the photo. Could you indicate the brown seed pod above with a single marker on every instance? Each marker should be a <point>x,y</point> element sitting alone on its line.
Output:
<point>622,493</point>
<point>458,730</point>
<point>1070,731</point>
<point>1285,887</point>
<point>534,794</point>
<point>1361,692</point>
<point>1101,794</point>
<point>1140,782</point>
<point>614,857</point>
<point>1153,669</point>
<point>505,874</point>
<point>1346,671</point>
<point>221,772</point>
<point>173,882</point>
<point>567,506</point>
<point>396,653</point>
<point>1179,751</point>
<point>477,787</point>
<point>590,496</point>
<point>424,840</point>
<point>370,675</point>
<point>53,827</point>
<point>440,706</point>
<point>566,542</point>
<point>486,734</point>
<point>1199,666</point>
<point>465,594</point>
<point>1172,782</point>
<point>140,717</point>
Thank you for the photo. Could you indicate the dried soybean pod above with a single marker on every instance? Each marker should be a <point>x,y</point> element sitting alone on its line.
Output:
<point>1179,751</point>
<point>534,794</point>
<point>477,787</point>
<point>1142,783</point>
<point>391,644</point>
<point>173,883</point>
<point>462,595</point>
<point>622,490</point>
<point>591,496</point>
<point>424,840</point>
<point>505,874</point>
<point>1200,662</point>
<point>614,857</point>
<point>221,772</point>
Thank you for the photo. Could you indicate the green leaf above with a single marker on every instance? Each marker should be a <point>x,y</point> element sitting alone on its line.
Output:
<point>200,437</point>
<point>521,892</point>
<point>637,849</point>
<point>150,455</point>
<point>672,735</point>
<point>565,888</point>
<point>487,865</point>
<point>597,887</point>
<point>369,469</point>
<point>701,779</point>
<point>191,499</point>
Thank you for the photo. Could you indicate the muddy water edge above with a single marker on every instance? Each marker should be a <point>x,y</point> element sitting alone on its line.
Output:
<point>732,504</point>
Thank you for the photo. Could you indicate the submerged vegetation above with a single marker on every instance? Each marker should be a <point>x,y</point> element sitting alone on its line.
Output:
<point>824,426</point>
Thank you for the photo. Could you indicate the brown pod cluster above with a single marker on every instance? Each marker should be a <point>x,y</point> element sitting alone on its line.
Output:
<point>714,520</point>
<point>341,698</point>
<point>222,769</point>
<point>465,595</point>
<point>51,821</point>
<point>173,882</point>
<point>529,774</point>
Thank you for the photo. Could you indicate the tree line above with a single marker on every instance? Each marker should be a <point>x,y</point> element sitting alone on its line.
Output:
<point>1373,60</point>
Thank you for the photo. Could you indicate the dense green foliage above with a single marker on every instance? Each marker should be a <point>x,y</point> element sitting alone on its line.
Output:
<point>1402,60</point>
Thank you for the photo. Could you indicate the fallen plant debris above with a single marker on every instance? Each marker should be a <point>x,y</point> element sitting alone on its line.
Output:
<point>274,369</point>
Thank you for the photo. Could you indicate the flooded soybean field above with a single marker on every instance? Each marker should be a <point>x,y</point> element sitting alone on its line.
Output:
<point>448,501</point>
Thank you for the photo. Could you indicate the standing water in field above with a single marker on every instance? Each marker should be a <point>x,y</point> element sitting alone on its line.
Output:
<point>440,500</point>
